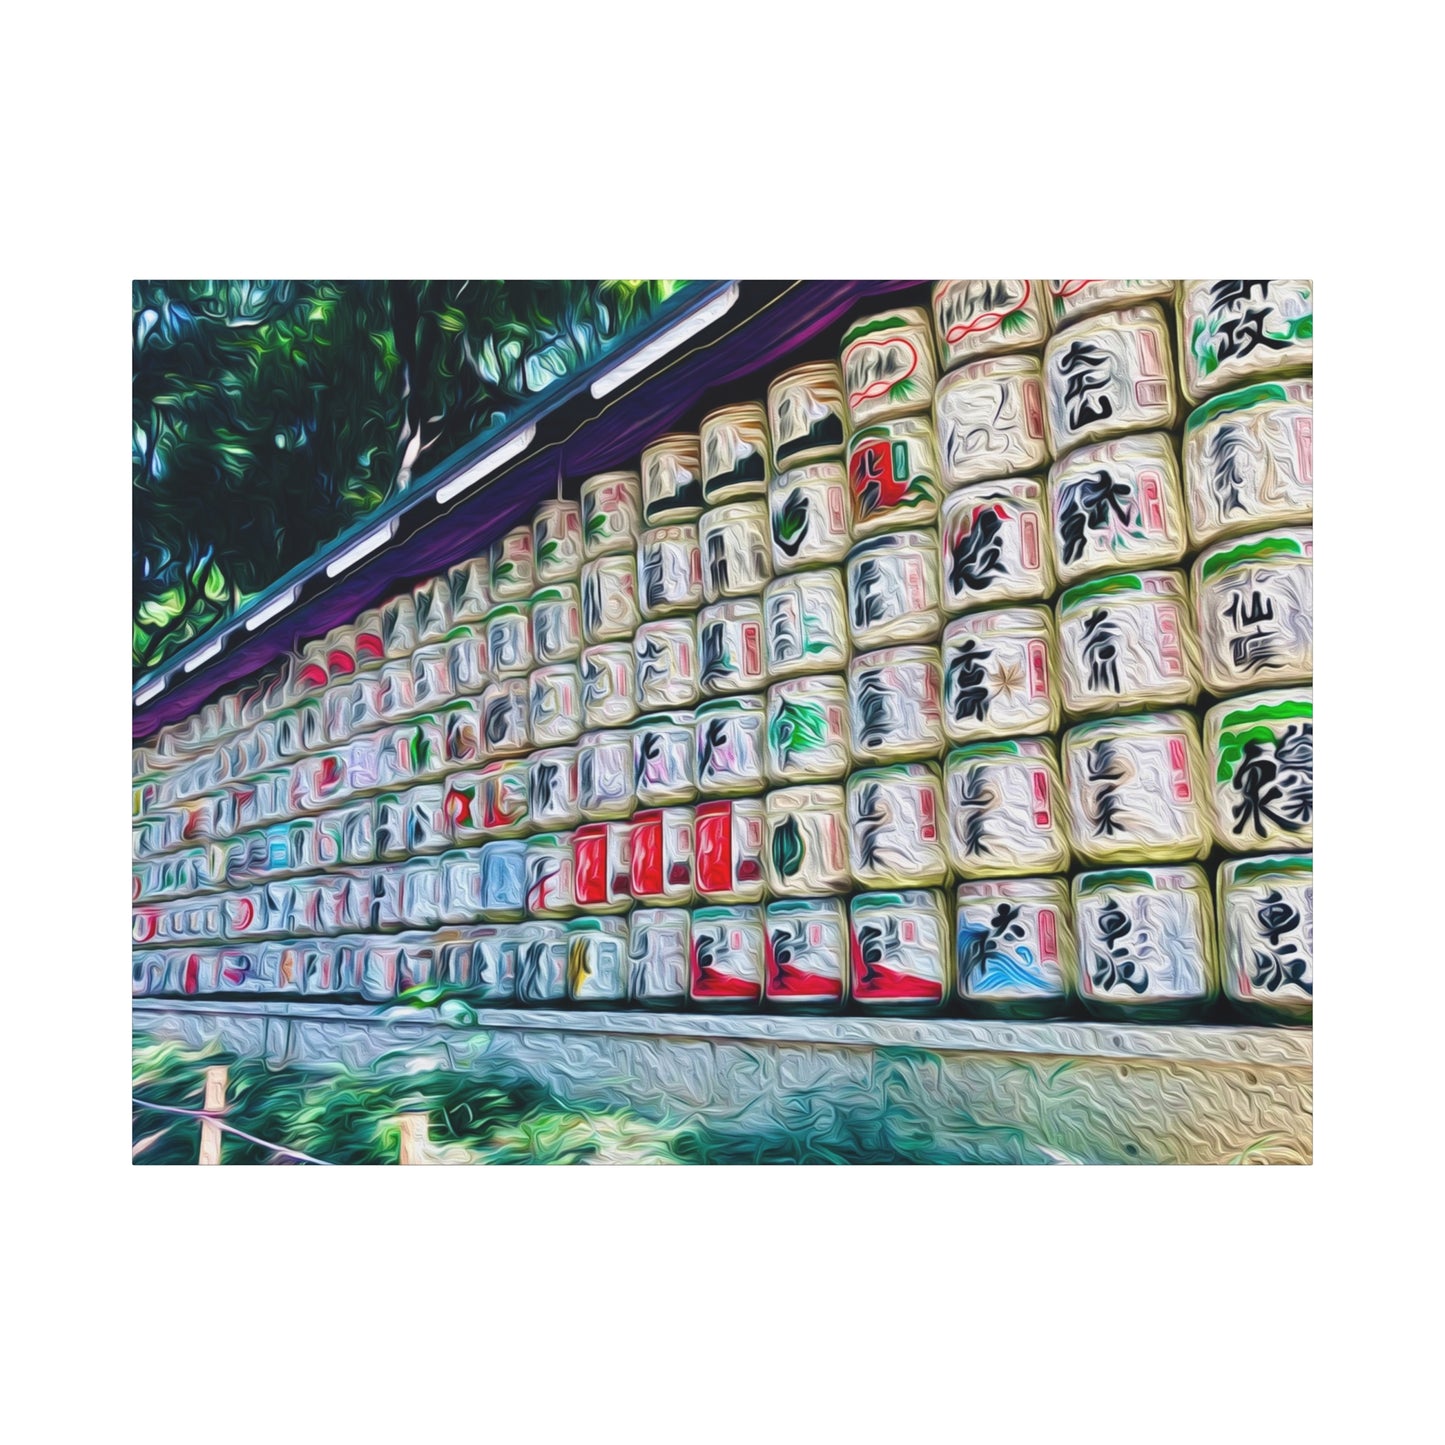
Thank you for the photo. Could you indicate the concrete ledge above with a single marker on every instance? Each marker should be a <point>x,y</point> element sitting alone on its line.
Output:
<point>1204,1044</point>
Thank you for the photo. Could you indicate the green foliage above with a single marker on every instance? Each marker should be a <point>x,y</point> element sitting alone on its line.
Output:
<point>269,416</point>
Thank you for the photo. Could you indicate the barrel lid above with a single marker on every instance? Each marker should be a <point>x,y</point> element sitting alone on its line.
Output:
<point>1087,883</point>
<point>1263,547</point>
<point>745,702</point>
<point>1246,396</point>
<point>1101,587</point>
<point>895,541</point>
<point>905,318</point>
<point>1244,870</point>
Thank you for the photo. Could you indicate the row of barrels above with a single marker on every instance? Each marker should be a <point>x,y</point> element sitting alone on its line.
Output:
<point>1139,943</point>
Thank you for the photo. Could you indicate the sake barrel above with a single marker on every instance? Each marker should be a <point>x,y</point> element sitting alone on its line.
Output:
<point>895,827</point>
<point>425,818</point>
<point>667,662</point>
<point>736,453</point>
<point>1070,300</point>
<point>370,649</point>
<point>346,835</point>
<point>462,732</point>
<point>806,847</point>
<point>611,513</point>
<point>1107,375</point>
<point>665,758</point>
<point>461,885</point>
<point>660,857</point>
<point>606,775</point>
<point>808,730</point>
<point>1254,600</point>
<point>421,893</point>
<point>555,704</point>
<point>888,367</point>
<point>462,803</point>
<point>728,947</point>
<point>993,545</point>
<point>483,963</point>
<point>552,788</point>
<point>1146,942</point>
<point>549,876</point>
<point>658,949</point>
<point>1259,752</point>
<point>1006,810</point>
<point>397,699</point>
<point>737,550</point>
<point>597,961</point>
<point>988,318</point>
<point>609,684</point>
<point>1267,936</point>
<point>731,739</point>
<point>807,418</point>
<point>602,866</point>
<point>467,661</point>
<point>1249,460</point>
<point>900,951</point>
<point>505,713</point>
<point>380,969</point>
<point>1016,953</point>
<point>1136,789</point>
<point>541,962</point>
<point>728,846</point>
<point>509,640</point>
<point>672,480</point>
<point>1116,505</point>
<point>310,677</point>
<point>511,567</point>
<point>556,614</point>
<point>805,623</point>
<point>1236,332</point>
<point>469,590</point>
<point>893,590</point>
<point>1127,643</point>
<point>805,961</point>
<point>398,626</point>
<point>894,708</point>
<point>503,788</point>
<point>669,570</point>
<point>730,647</point>
<point>433,613</point>
<point>810,508</point>
<point>557,542</point>
<point>989,420</point>
<point>609,598</point>
<point>893,476</point>
<point>999,675</point>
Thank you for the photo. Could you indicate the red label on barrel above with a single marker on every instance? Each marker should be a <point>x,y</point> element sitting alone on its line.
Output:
<point>1166,620</point>
<point>1048,936</point>
<point>1041,798</point>
<point>1153,508</point>
<point>715,848</point>
<point>589,861</point>
<point>1033,410</point>
<point>1029,540</point>
<point>646,867</point>
<point>1179,762</point>
<point>1038,670</point>
<point>752,650</point>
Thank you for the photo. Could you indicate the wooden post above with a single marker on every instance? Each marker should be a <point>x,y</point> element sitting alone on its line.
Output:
<point>215,1102</point>
<point>414,1128</point>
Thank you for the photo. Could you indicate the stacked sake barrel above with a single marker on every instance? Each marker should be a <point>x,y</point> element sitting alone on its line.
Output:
<point>932,681</point>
